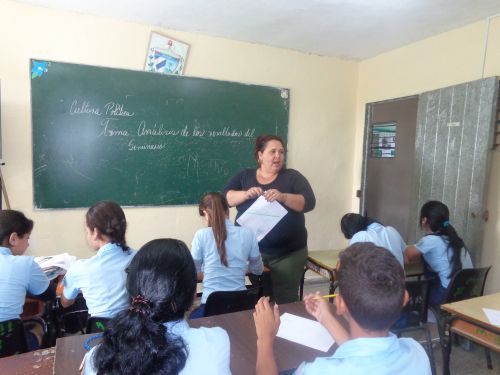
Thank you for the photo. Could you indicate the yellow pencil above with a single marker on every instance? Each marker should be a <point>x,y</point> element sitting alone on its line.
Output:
<point>329,296</point>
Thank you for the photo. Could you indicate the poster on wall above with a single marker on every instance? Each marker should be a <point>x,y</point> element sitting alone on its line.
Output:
<point>166,55</point>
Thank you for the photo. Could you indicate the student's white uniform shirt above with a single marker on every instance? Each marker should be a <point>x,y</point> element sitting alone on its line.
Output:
<point>374,356</point>
<point>241,247</point>
<point>101,279</point>
<point>18,274</point>
<point>438,256</point>
<point>208,350</point>
<point>386,237</point>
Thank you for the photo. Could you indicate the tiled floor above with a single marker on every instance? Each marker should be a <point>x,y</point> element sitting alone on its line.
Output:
<point>462,361</point>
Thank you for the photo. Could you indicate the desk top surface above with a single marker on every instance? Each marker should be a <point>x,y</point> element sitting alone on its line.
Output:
<point>328,260</point>
<point>472,309</point>
<point>239,326</point>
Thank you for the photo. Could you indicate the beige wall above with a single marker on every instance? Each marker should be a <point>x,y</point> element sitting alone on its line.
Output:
<point>444,60</point>
<point>321,135</point>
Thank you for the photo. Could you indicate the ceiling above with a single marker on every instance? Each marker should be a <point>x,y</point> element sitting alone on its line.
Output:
<point>353,29</point>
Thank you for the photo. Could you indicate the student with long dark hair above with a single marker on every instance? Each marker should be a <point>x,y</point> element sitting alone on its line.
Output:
<point>443,250</point>
<point>223,250</point>
<point>101,279</point>
<point>151,336</point>
<point>358,228</point>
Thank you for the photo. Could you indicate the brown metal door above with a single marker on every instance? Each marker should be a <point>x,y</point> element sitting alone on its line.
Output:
<point>387,188</point>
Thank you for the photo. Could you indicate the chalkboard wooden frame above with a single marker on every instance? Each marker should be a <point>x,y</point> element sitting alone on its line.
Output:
<point>142,138</point>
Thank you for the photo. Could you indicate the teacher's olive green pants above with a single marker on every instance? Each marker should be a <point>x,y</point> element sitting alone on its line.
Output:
<point>286,272</point>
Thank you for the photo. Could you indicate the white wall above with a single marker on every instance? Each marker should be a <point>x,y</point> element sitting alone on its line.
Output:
<point>321,132</point>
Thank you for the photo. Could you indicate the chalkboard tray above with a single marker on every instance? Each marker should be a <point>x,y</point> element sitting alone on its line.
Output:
<point>142,138</point>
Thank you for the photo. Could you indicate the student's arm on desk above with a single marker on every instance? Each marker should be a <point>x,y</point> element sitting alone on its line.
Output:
<point>412,255</point>
<point>267,322</point>
<point>319,308</point>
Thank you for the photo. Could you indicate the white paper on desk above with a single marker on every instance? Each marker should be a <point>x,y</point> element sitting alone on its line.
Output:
<point>63,260</point>
<point>493,316</point>
<point>305,332</point>
<point>262,216</point>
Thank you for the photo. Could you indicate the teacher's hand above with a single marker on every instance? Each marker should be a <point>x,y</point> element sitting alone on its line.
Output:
<point>254,192</point>
<point>274,195</point>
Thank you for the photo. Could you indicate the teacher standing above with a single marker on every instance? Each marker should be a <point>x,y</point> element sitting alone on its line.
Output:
<point>284,248</point>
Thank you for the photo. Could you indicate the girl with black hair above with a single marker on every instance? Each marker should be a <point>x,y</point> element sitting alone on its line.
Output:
<point>19,274</point>
<point>101,279</point>
<point>443,250</point>
<point>358,228</point>
<point>223,250</point>
<point>151,336</point>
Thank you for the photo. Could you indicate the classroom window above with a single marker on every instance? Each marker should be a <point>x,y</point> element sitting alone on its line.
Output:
<point>383,140</point>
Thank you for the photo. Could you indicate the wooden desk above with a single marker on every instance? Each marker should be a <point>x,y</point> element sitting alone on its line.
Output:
<point>32,363</point>
<point>468,320</point>
<point>239,326</point>
<point>241,329</point>
<point>324,263</point>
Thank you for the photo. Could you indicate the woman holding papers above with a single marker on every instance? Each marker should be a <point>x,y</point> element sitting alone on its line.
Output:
<point>284,247</point>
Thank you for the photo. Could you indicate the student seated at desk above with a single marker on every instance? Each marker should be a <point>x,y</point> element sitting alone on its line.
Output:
<point>151,336</point>
<point>443,250</point>
<point>371,297</point>
<point>19,274</point>
<point>223,250</point>
<point>358,228</point>
<point>101,279</point>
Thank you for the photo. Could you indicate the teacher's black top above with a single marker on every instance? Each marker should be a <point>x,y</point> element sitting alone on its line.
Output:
<point>290,233</point>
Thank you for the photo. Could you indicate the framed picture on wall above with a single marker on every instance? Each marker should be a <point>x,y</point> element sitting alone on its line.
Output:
<point>166,55</point>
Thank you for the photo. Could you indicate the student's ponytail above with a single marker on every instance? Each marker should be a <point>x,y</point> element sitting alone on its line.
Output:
<point>438,220</point>
<point>136,344</point>
<point>162,280</point>
<point>217,209</point>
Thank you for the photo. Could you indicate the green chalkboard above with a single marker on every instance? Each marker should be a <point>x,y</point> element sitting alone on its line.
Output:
<point>142,138</point>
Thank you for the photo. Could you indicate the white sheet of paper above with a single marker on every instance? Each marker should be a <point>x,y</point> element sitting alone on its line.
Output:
<point>262,216</point>
<point>493,316</point>
<point>305,332</point>
<point>63,261</point>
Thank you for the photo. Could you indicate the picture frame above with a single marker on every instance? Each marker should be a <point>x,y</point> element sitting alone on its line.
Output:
<point>166,55</point>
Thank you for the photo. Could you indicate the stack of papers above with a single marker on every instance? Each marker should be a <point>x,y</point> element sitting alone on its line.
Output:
<point>54,265</point>
<point>262,216</point>
<point>305,332</point>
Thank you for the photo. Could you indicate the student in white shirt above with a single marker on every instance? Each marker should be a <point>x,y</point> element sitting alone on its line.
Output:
<point>101,278</point>
<point>151,336</point>
<point>19,275</point>
<point>223,250</point>
<point>370,298</point>
<point>358,228</point>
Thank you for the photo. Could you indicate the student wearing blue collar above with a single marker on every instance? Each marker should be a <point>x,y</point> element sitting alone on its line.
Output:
<point>223,250</point>
<point>151,336</point>
<point>19,274</point>
<point>358,228</point>
<point>443,250</point>
<point>371,297</point>
<point>101,279</point>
